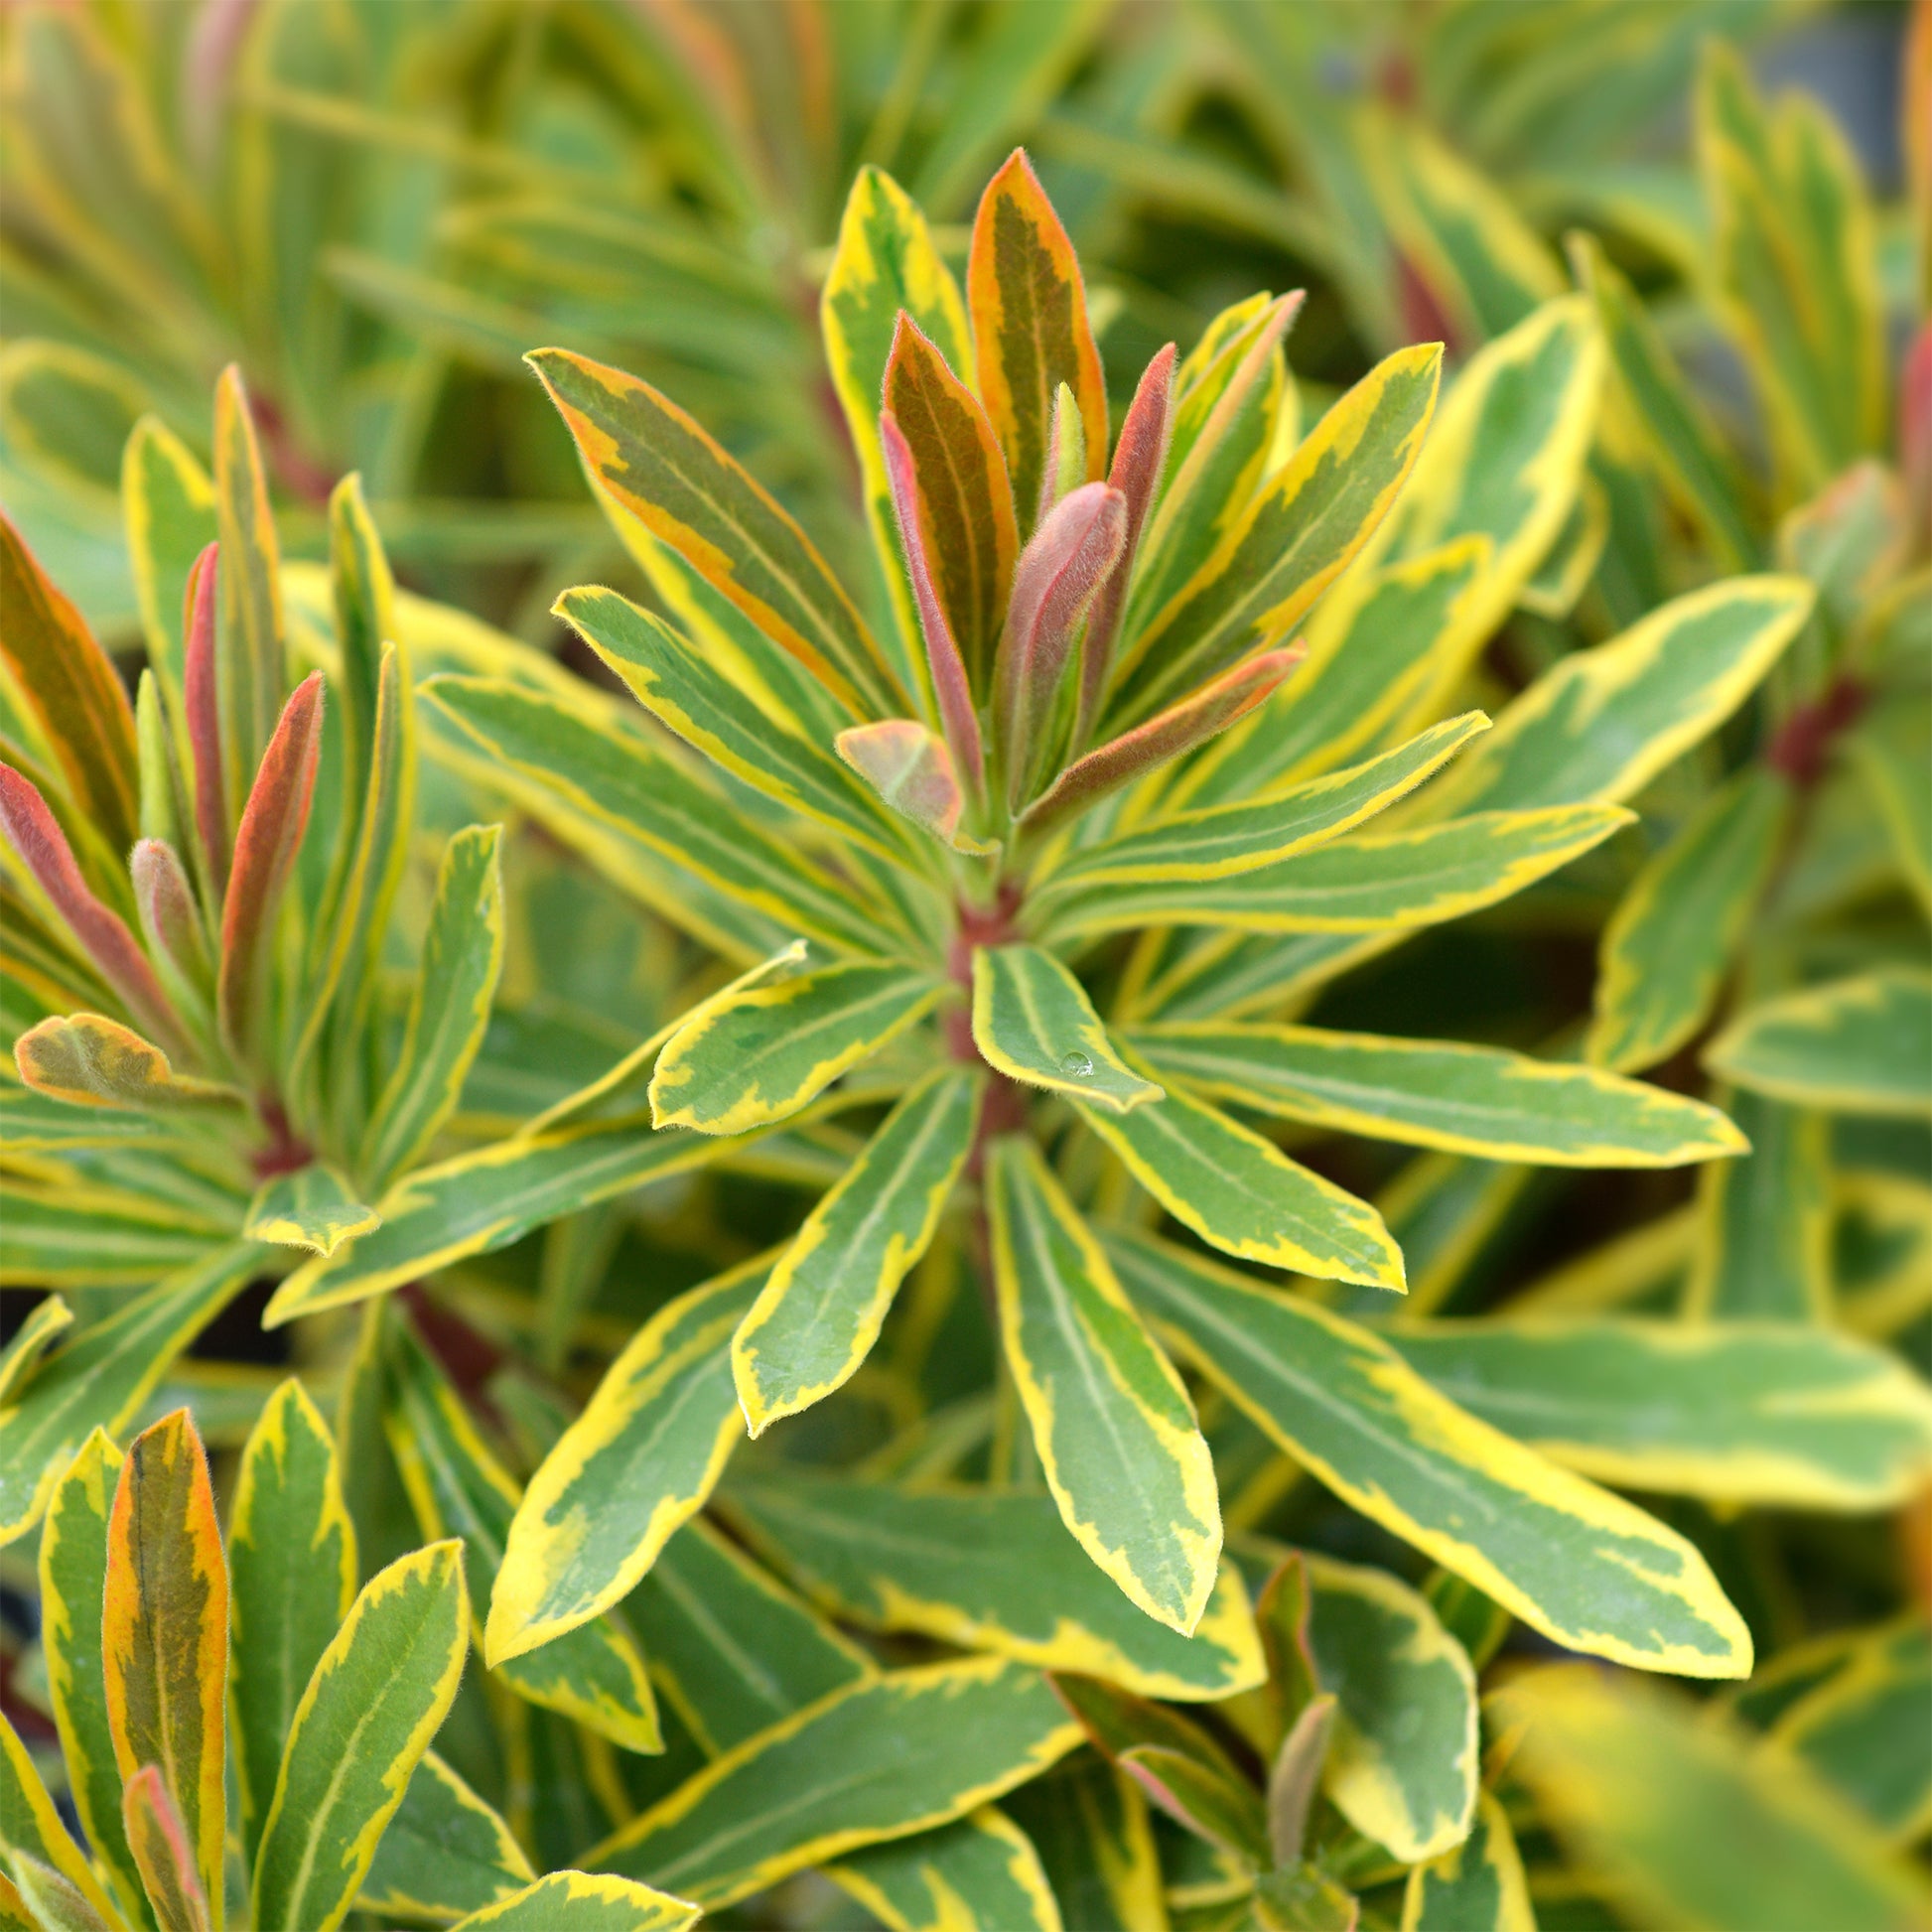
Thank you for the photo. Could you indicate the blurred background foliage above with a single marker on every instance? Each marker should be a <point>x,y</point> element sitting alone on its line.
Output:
<point>377,206</point>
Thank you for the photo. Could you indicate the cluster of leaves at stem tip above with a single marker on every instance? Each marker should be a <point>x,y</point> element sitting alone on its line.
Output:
<point>1020,853</point>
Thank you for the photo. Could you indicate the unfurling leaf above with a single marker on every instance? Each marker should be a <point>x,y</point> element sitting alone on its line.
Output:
<point>163,1855</point>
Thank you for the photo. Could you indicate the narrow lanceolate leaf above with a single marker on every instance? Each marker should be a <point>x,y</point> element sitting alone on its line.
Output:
<point>364,597</point>
<point>963,502</point>
<point>272,824</point>
<point>90,1061</point>
<point>250,663</point>
<point>63,1233</point>
<point>912,772</point>
<point>1033,1021</point>
<point>1245,1196</point>
<point>311,1208</point>
<point>1605,722</point>
<point>1763,1411</point>
<point>651,462</point>
<point>100,1377</point>
<point>1223,841</point>
<point>72,689</point>
<point>31,1831</point>
<point>638,1461</point>
<point>820,1313</point>
<point>1374,882</point>
<point>448,1005</point>
<point>1194,720</point>
<point>1477,1100</point>
<point>165,1633</point>
<point>885,264</point>
<point>1581,1565</point>
<point>1764,1224</point>
<point>593,1675</point>
<point>1402,1762</point>
<point>769,1051</point>
<point>1115,1432</point>
<point>201,720</point>
<point>167,510</point>
<point>444,1853</point>
<point>990,1572</point>
<point>1089,1822</point>
<point>1682,1822</point>
<point>1861,1044</point>
<point>158,1843</point>
<point>674,680</point>
<point>1888,752</point>
<point>1309,521</point>
<point>735,1651</point>
<point>478,1202</point>
<point>370,1707</point>
<point>1674,932</point>
<point>886,1757</point>
<point>74,1582</point>
<point>1030,330</point>
<point>1478,1885</point>
<point>30,827</point>
<point>292,1557</point>
<point>170,920</point>
<point>44,1321</point>
<point>583,1901</point>
<point>984,1864</point>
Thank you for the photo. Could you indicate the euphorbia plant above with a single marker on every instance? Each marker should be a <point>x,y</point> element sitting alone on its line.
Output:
<point>954,821</point>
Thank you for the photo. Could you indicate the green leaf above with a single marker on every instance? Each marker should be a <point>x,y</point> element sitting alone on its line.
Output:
<point>69,685</point>
<point>1673,933</point>
<point>651,462</point>
<point>1581,1565</point>
<point>35,1123</point>
<point>762,1055</point>
<point>1371,883</point>
<point>1683,448</point>
<point>988,1572</point>
<point>249,656</point>
<point>371,1707</point>
<point>70,1234</point>
<point>1245,1196</point>
<point>1765,1236</point>
<point>821,1310</point>
<point>984,1866</point>
<point>885,264</point>
<point>1888,750</point>
<point>583,1901</point>
<point>31,1831</point>
<point>1466,1099</point>
<point>1031,332</point>
<point>168,512</point>
<point>661,833</point>
<point>639,1460</point>
<point>164,1637</point>
<point>709,709</point>
<point>883,1759</point>
<point>1224,841</point>
<point>44,1321</point>
<point>1115,1432</point>
<point>103,1375</point>
<point>309,1208</point>
<point>1033,1021</point>
<point>1403,1762</point>
<point>734,1649</point>
<point>484,1200</point>
<point>1860,1045</point>
<point>593,1674</point>
<point>1682,1824</point>
<point>1476,1886</point>
<point>292,1555</point>
<point>1863,1730</point>
<point>1605,721</point>
<point>448,1005</point>
<point>1761,1412</point>
<point>74,1582</point>
<point>1089,1824</point>
<point>1309,522</point>
<point>445,1852</point>
<point>86,1061</point>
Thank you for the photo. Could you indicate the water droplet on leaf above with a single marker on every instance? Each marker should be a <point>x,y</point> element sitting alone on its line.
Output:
<point>1078,1064</point>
